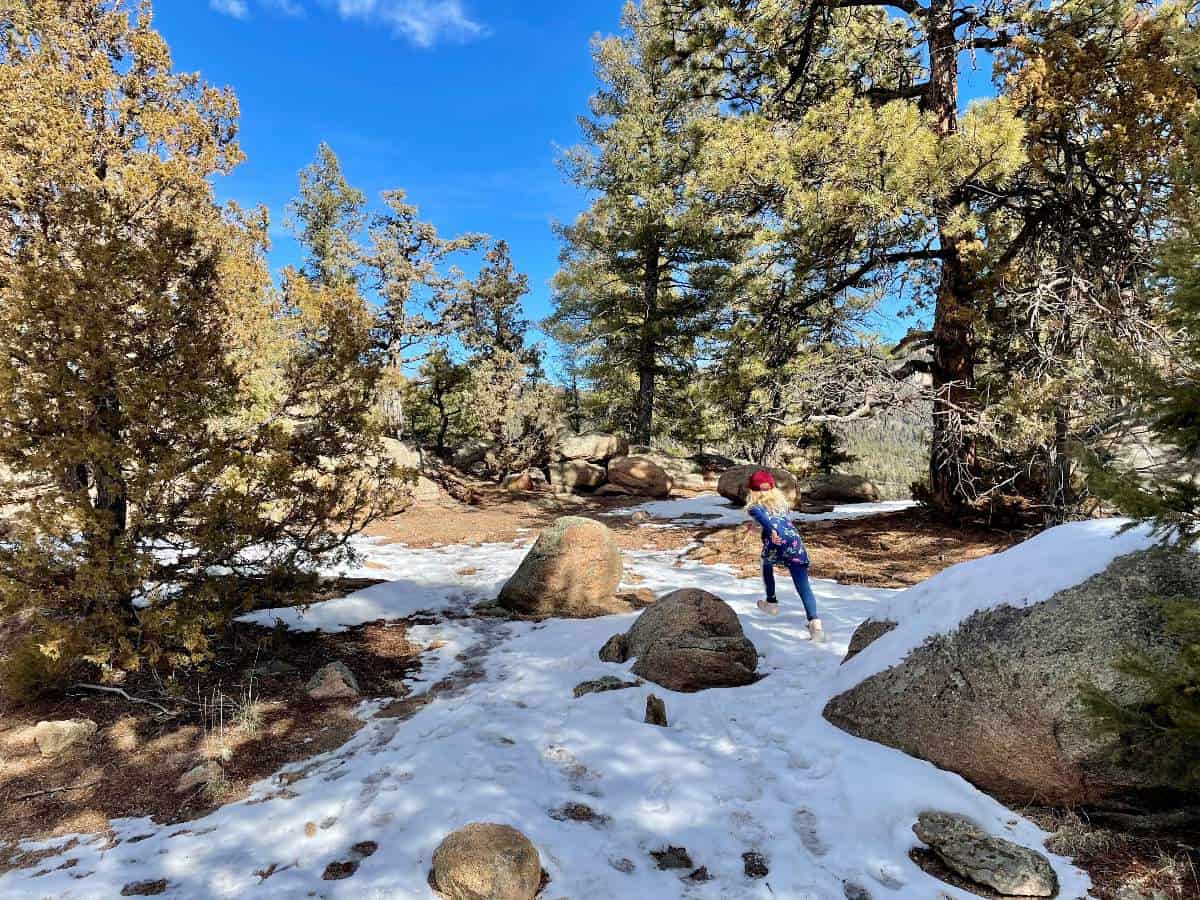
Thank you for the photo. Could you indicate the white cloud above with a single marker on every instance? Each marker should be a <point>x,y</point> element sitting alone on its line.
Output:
<point>235,8</point>
<point>424,22</point>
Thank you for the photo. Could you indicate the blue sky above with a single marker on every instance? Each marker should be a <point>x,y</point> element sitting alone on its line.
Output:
<point>462,103</point>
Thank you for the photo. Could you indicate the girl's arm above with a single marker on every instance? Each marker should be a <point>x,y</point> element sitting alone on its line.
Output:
<point>759,515</point>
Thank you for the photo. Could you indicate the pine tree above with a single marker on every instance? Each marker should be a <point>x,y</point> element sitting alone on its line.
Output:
<point>633,287</point>
<point>155,390</point>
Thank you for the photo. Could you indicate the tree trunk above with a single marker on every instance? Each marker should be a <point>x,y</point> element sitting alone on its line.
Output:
<point>647,360</point>
<point>951,461</point>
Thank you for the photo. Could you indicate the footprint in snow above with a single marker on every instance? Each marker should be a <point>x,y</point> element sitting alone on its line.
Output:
<point>805,824</point>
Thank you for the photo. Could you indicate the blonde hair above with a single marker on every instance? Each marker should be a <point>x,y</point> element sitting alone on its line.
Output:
<point>774,501</point>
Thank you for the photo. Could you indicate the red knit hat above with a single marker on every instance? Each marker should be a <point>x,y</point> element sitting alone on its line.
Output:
<point>761,481</point>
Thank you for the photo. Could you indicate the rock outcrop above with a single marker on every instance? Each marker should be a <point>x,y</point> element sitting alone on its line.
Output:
<point>592,446</point>
<point>640,475</point>
<point>690,640</point>
<point>993,862</point>
<point>573,571</point>
<point>839,489</point>
<point>734,484</point>
<point>999,700</point>
<point>485,861</point>
<point>866,634</point>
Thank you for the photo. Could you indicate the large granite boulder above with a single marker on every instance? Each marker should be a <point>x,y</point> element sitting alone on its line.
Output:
<point>734,484</point>
<point>402,453</point>
<point>576,475</point>
<point>999,700</point>
<point>641,475</point>
<point>839,489</point>
<point>993,862</point>
<point>592,446</point>
<point>485,861</point>
<point>572,571</point>
<point>690,640</point>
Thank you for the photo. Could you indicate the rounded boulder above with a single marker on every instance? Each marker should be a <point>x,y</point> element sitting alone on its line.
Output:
<point>572,571</point>
<point>690,640</point>
<point>485,861</point>
<point>641,475</point>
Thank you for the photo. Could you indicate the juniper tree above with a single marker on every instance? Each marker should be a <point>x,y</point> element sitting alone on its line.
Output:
<point>154,389</point>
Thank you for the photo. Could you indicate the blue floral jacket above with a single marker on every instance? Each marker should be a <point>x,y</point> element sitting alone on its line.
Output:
<point>790,551</point>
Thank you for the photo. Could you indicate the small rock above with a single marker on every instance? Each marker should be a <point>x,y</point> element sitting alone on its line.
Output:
<point>656,712</point>
<point>333,682</point>
<point>336,871</point>
<point>600,685</point>
<point>518,482</point>
<point>486,860</point>
<point>855,891</point>
<point>755,864</point>
<point>57,737</point>
<point>1132,893</point>
<point>623,865</point>
<point>577,812</point>
<point>639,516</point>
<point>673,858</point>
<point>144,888</point>
<point>993,862</point>
<point>614,650</point>
<point>866,634</point>
<point>201,775</point>
<point>701,875</point>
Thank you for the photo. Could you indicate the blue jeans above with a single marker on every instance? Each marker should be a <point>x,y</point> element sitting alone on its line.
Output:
<point>799,573</point>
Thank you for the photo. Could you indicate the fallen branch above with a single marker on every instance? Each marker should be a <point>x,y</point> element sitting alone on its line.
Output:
<point>116,690</point>
<point>1171,819</point>
<point>57,790</point>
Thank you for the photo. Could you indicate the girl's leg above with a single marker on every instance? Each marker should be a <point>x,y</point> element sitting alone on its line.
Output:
<point>804,589</point>
<point>768,572</point>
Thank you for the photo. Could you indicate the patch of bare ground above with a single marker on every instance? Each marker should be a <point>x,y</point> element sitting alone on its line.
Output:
<point>1144,859</point>
<point>248,713</point>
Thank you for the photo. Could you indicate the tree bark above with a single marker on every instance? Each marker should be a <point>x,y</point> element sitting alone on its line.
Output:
<point>647,360</point>
<point>951,459</point>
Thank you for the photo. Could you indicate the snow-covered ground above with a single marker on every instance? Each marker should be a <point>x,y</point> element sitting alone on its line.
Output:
<point>714,510</point>
<point>748,769</point>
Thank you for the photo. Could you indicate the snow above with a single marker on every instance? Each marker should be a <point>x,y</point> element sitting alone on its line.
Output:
<point>1029,573</point>
<point>753,768</point>
<point>714,510</point>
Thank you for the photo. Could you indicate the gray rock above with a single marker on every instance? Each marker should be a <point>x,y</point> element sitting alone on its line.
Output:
<point>593,446</point>
<point>689,640</point>
<point>55,738</point>
<point>969,851</point>
<point>839,489</point>
<point>999,700</point>
<point>866,634</point>
<point>854,891</point>
<point>576,475</point>
<point>485,861</point>
<point>332,682</point>
<point>471,454</point>
<point>614,650</point>
<point>572,571</point>
<point>603,685</point>
<point>734,484</point>
<point>403,454</point>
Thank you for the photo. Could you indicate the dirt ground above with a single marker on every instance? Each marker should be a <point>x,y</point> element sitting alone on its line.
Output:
<point>249,713</point>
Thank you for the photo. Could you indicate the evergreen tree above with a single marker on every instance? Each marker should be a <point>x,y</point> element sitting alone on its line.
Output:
<point>155,391</point>
<point>634,289</point>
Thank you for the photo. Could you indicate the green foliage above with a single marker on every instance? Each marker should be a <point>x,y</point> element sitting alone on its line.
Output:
<point>38,666</point>
<point>168,413</point>
<point>1163,734</point>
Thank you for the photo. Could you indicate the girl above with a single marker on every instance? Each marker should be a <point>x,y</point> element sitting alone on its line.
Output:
<point>781,546</point>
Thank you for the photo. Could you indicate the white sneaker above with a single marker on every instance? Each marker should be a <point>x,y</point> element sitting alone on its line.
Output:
<point>816,633</point>
<point>771,609</point>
